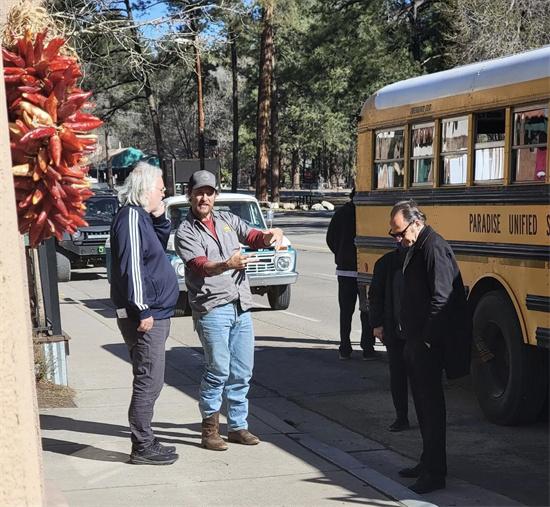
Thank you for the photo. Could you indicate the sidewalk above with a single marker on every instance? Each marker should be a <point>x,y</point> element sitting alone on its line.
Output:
<point>86,447</point>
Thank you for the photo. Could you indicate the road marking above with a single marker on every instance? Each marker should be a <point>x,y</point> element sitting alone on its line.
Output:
<point>300,316</point>
<point>288,313</point>
<point>311,248</point>
<point>324,275</point>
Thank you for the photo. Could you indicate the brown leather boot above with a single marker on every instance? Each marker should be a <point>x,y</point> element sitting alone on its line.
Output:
<point>242,437</point>
<point>211,435</point>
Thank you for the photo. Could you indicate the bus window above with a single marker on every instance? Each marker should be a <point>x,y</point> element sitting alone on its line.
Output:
<point>454,147</point>
<point>529,144</point>
<point>422,139</point>
<point>389,159</point>
<point>489,146</point>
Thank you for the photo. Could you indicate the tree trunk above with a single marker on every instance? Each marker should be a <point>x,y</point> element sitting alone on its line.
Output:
<point>264,101</point>
<point>295,170</point>
<point>275,146</point>
<point>235,95</point>
<point>148,91</point>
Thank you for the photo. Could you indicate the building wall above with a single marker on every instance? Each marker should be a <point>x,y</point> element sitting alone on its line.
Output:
<point>20,451</point>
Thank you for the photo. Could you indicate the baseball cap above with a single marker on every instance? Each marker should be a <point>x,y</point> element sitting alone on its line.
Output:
<point>202,179</point>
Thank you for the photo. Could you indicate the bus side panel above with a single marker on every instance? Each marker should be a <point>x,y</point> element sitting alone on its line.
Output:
<point>511,275</point>
<point>364,155</point>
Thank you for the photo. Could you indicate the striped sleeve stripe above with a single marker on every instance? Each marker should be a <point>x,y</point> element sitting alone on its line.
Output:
<point>133,221</point>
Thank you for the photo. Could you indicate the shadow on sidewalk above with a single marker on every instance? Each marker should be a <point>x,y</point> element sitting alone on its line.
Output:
<point>307,341</point>
<point>83,451</point>
<point>103,307</point>
<point>54,422</point>
<point>184,370</point>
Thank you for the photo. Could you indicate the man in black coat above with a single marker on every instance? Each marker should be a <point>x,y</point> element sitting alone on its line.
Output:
<point>384,311</point>
<point>437,327</point>
<point>341,241</point>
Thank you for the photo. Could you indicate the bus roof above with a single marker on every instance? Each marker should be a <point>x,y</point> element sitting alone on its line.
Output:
<point>484,75</point>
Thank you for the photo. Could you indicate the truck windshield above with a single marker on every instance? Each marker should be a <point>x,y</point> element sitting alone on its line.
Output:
<point>247,211</point>
<point>100,210</point>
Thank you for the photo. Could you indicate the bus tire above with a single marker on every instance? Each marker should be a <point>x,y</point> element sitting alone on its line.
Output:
<point>279,297</point>
<point>508,376</point>
<point>63,268</point>
<point>183,308</point>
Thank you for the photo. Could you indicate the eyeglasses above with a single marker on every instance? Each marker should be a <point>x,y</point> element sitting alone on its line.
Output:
<point>399,235</point>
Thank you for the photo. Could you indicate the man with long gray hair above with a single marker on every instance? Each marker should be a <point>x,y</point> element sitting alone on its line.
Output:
<point>437,330</point>
<point>144,290</point>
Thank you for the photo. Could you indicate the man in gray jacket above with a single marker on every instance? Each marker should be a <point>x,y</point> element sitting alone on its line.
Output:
<point>209,242</point>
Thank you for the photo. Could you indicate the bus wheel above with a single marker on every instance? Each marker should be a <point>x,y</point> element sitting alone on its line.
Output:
<point>508,376</point>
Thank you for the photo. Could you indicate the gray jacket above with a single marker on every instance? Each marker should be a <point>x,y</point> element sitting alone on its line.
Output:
<point>194,240</point>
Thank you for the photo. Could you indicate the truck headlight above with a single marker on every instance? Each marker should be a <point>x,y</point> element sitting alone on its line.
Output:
<point>180,270</point>
<point>77,235</point>
<point>177,264</point>
<point>283,263</point>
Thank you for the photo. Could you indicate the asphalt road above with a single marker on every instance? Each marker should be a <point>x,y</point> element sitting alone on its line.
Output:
<point>296,360</point>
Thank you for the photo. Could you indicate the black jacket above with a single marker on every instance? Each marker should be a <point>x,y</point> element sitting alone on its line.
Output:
<point>433,305</point>
<point>341,237</point>
<point>142,279</point>
<point>381,294</point>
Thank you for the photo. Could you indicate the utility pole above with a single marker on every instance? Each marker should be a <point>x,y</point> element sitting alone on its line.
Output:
<point>200,107</point>
<point>108,162</point>
<point>235,95</point>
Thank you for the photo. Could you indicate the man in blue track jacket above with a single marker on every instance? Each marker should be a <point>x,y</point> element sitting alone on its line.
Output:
<point>144,290</point>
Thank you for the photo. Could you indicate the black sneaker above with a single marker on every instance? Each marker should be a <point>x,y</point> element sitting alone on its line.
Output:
<point>165,449</point>
<point>344,357</point>
<point>155,454</point>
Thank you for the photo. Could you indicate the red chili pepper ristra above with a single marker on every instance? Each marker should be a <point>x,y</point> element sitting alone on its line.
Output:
<point>55,149</point>
<point>48,136</point>
<point>14,71</point>
<point>11,57</point>
<point>38,133</point>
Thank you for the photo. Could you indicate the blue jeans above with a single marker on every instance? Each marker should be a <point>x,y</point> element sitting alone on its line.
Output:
<point>227,337</point>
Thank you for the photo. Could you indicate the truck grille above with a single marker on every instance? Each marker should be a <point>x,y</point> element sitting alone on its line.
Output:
<point>98,235</point>
<point>95,238</point>
<point>266,264</point>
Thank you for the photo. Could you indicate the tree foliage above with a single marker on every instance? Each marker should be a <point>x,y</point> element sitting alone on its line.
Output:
<point>483,30</point>
<point>329,57</point>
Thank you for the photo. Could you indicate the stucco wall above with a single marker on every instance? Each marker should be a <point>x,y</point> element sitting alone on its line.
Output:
<point>20,452</point>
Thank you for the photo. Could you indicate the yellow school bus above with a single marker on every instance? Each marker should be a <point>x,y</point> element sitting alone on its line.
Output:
<point>470,146</point>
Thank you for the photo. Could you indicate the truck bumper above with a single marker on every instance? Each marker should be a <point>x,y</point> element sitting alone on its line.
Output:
<point>267,281</point>
<point>258,280</point>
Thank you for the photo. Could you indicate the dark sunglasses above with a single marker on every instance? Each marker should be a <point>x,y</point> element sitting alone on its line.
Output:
<point>397,235</point>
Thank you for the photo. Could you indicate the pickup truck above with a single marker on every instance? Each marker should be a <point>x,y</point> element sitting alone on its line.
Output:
<point>272,275</point>
<point>86,247</point>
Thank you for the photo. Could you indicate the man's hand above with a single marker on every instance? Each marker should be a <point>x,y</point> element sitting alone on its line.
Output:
<point>158,211</point>
<point>145,325</point>
<point>240,261</point>
<point>378,332</point>
<point>273,237</point>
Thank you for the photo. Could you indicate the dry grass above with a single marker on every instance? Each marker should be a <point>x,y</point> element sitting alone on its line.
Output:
<point>49,395</point>
<point>54,396</point>
<point>29,15</point>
